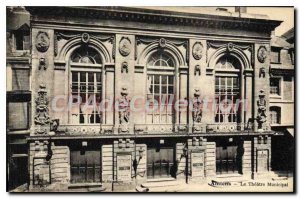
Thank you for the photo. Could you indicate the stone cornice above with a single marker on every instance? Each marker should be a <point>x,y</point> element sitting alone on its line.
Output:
<point>160,17</point>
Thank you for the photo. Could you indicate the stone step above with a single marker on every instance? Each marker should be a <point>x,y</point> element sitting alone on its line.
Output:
<point>160,183</point>
<point>86,187</point>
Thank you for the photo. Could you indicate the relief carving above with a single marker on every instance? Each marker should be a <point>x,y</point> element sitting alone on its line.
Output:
<point>262,54</point>
<point>42,112</point>
<point>42,41</point>
<point>42,64</point>
<point>162,43</point>
<point>197,70</point>
<point>124,67</point>
<point>197,107</point>
<point>124,46</point>
<point>261,109</point>
<point>124,112</point>
<point>262,72</point>
<point>85,37</point>
<point>197,51</point>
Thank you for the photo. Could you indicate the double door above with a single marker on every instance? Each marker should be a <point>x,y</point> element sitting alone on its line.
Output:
<point>160,163</point>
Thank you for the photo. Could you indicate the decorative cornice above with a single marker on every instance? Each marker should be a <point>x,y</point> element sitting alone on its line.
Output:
<point>150,40</point>
<point>230,46</point>
<point>158,17</point>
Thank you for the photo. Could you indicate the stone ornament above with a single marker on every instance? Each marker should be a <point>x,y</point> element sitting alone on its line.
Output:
<point>124,46</point>
<point>197,50</point>
<point>230,47</point>
<point>85,37</point>
<point>42,112</point>
<point>262,54</point>
<point>197,70</point>
<point>261,109</point>
<point>124,68</point>
<point>42,41</point>
<point>262,72</point>
<point>197,107</point>
<point>124,112</point>
<point>162,43</point>
<point>42,64</point>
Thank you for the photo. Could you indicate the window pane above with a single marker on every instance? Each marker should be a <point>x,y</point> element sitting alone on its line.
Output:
<point>86,55</point>
<point>226,98</point>
<point>171,80</point>
<point>18,115</point>
<point>20,79</point>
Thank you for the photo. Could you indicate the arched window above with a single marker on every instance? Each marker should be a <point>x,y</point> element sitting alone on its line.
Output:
<point>86,55</point>
<point>227,89</point>
<point>86,85</point>
<point>275,113</point>
<point>160,88</point>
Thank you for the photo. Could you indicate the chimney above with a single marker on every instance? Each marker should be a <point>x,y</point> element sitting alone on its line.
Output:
<point>240,9</point>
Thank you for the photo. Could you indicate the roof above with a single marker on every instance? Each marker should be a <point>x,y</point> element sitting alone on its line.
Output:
<point>289,35</point>
<point>218,11</point>
<point>17,17</point>
<point>218,19</point>
<point>280,42</point>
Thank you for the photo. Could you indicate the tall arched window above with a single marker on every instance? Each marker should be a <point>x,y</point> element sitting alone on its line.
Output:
<point>86,86</point>
<point>160,88</point>
<point>227,89</point>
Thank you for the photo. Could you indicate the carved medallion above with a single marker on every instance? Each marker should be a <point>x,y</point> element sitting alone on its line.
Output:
<point>162,42</point>
<point>124,46</point>
<point>230,46</point>
<point>262,54</point>
<point>197,51</point>
<point>42,41</point>
<point>85,37</point>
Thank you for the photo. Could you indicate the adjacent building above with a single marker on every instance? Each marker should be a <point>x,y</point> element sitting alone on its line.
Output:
<point>126,96</point>
<point>282,86</point>
<point>18,95</point>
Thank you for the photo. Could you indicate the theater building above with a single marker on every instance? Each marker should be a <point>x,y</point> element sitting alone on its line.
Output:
<point>204,78</point>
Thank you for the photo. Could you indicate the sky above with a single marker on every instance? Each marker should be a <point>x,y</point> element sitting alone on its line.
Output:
<point>285,14</point>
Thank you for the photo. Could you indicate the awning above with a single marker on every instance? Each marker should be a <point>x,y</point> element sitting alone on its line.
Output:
<point>291,131</point>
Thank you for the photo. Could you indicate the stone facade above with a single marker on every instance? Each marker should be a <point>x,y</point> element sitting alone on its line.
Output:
<point>133,150</point>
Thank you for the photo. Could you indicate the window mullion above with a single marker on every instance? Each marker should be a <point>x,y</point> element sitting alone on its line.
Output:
<point>86,95</point>
<point>94,96</point>
<point>159,99</point>
<point>167,100</point>
<point>78,95</point>
<point>153,96</point>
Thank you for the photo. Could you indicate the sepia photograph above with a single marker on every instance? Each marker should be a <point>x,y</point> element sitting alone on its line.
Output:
<point>150,99</point>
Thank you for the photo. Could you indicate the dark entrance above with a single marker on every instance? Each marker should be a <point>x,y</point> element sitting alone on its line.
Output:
<point>229,156</point>
<point>85,167</point>
<point>160,162</point>
<point>18,170</point>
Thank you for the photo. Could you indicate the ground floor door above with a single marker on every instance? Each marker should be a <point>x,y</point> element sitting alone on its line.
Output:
<point>85,167</point>
<point>18,172</point>
<point>228,157</point>
<point>160,163</point>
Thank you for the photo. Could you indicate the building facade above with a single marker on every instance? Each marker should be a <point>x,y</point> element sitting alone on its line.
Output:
<point>18,95</point>
<point>127,96</point>
<point>282,82</point>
